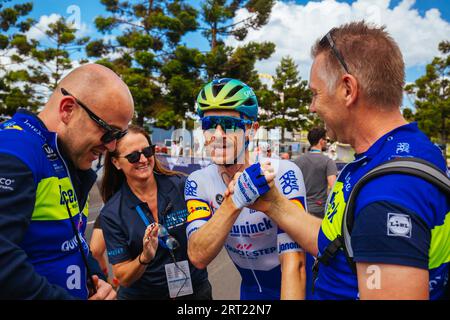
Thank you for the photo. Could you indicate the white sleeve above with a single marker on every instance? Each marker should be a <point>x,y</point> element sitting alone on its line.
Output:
<point>289,181</point>
<point>195,195</point>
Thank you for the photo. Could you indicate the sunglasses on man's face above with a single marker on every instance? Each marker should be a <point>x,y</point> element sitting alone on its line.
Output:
<point>326,41</point>
<point>135,156</point>
<point>111,133</point>
<point>225,122</point>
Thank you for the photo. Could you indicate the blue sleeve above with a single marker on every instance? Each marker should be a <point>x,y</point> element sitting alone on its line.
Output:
<point>386,232</point>
<point>18,280</point>
<point>115,238</point>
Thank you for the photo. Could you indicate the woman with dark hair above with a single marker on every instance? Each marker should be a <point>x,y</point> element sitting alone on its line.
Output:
<point>144,224</point>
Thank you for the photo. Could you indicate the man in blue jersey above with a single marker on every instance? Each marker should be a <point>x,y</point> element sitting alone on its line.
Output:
<point>401,230</point>
<point>45,178</point>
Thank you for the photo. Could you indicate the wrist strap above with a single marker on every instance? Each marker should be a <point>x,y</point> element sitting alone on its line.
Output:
<point>143,263</point>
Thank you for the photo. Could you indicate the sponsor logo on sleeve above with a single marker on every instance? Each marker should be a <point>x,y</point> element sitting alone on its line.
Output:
<point>289,182</point>
<point>286,244</point>
<point>399,225</point>
<point>197,209</point>
<point>190,189</point>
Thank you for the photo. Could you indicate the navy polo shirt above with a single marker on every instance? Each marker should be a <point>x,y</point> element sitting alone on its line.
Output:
<point>124,229</point>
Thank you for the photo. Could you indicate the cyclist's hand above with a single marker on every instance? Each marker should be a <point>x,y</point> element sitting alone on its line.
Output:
<point>266,168</point>
<point>104,290</point>
<point>268,200</point>
<point>251,184</point>
<point>150,243</point>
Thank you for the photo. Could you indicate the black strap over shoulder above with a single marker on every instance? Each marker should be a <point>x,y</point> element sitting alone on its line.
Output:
<point>409,166</point>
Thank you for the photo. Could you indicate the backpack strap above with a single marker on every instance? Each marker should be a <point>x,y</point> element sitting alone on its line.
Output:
<point>410,166</point>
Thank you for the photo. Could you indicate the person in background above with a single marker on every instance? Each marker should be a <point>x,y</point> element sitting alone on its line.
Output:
<point>98,246</point>
<point>319,172</point>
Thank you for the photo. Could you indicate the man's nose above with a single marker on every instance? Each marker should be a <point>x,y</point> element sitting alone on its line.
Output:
<point>111,146</point>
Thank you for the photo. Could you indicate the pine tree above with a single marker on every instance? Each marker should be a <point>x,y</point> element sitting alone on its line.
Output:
<point>219,18</point>
<point>161,73</point>
<point>52,60</point>
<point>286,104</point>
<point>14,91</point>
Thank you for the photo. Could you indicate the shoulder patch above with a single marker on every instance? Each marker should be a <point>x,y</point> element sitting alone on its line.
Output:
<point>399,225</point>
<point>197,209</point>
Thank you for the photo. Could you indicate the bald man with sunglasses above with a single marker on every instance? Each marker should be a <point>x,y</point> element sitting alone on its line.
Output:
<point>45,179</point>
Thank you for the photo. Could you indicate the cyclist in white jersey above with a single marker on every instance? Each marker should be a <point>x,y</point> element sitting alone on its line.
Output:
<point>271,264</point>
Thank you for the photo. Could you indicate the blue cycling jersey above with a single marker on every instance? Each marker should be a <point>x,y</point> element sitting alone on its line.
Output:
<point>399,219</point>
<point>40,257</point>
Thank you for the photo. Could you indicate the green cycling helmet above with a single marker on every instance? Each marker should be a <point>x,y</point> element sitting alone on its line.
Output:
<point>228,94</point>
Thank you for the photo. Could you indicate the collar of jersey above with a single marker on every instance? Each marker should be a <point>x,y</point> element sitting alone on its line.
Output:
<point>164,188</point>
<point>404,130</point>
<point>23,115</point>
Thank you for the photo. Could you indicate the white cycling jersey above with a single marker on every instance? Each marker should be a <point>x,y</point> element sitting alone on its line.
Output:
<point>255,241</point>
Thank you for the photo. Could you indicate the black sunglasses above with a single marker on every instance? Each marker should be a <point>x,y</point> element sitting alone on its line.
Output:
<point>327,40</point>
<point>134,156</point>
<point>111,133</point>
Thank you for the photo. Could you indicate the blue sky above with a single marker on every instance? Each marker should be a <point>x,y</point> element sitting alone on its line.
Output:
<point>429,29</point>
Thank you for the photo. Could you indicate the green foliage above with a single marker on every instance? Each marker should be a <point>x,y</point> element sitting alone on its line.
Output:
<point>160,72</point>
<point>286,105</point>
<point>14,90</point>
<point>219,17</point>
<point>432,97</point>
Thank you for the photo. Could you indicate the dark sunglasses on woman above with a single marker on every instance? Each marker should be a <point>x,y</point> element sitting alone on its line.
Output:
<point>134,156</point>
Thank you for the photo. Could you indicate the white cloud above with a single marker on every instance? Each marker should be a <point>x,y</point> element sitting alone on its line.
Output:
<point>294,28</point>
<point>37,32</point>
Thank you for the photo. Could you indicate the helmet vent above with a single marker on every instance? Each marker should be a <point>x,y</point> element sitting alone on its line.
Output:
<point>216,89</point>
<point>249,102</point>
<point>228,104</point>
<point>233,91</point>
<point>203,105</point>
<point>203,94</point>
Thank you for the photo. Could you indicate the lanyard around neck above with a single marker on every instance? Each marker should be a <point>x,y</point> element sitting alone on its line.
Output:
<point>142,215</point>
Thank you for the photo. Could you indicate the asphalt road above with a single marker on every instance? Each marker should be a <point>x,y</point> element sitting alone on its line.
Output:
<point>225,279</point>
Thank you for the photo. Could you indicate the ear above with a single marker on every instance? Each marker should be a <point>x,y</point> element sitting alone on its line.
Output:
<point>115,162</point>
<point>350,89</point>
<point>66,109</point>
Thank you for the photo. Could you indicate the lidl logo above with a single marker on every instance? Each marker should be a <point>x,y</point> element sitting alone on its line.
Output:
<point>197,209</point>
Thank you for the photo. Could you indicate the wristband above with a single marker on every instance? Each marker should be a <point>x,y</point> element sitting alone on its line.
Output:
<point>143,263</point>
